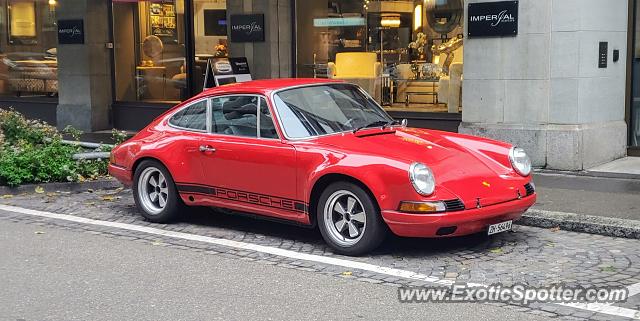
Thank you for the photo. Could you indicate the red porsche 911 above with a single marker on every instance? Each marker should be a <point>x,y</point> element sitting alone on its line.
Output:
<point>322,154</point>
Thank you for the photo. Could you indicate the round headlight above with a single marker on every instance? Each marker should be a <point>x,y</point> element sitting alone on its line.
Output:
<point>520,161</point>
<point>422,179</point>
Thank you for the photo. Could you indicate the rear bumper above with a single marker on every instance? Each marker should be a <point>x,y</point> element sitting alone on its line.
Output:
<point>465,222</point>
<point>121,174</point>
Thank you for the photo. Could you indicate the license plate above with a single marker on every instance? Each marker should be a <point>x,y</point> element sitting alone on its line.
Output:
<point>500,227</point>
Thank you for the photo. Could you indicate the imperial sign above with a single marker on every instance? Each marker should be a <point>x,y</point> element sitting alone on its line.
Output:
<point>247,27</point>
<point>493,19</point>
<point>71,31</point>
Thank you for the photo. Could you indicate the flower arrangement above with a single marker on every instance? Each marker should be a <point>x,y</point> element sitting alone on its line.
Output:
<point>221,50</point>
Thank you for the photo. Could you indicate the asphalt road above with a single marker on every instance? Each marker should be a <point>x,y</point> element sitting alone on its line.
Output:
<point>51,273</point>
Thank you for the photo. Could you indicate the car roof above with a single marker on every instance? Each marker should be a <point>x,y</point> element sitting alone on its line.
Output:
<point>265,86</point>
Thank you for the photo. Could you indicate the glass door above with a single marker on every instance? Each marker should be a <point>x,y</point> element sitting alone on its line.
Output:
<point>210,42</point>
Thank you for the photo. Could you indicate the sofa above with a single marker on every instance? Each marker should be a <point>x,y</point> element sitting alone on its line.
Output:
<point>32,75</point>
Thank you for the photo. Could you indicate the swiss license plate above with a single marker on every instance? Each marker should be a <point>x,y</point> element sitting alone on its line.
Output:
<point>500,227</point>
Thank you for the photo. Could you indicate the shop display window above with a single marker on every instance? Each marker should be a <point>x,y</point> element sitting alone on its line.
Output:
<point>151,62</point>
<point>405,54</point>
<point>28,49</point>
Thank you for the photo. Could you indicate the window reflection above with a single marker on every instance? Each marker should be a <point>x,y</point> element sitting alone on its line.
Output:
<point>405,54</point>
<point>28,60</point>
<point>151,62</point>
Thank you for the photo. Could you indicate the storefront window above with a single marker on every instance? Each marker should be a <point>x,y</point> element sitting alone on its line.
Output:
<point>28,54</point>
<point>405,54</point>
<point>151,62</point>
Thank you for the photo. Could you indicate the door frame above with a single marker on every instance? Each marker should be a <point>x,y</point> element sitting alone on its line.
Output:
<point>631,40</point>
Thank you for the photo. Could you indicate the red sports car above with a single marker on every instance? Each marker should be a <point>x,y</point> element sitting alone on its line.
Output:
<point>322,153</point>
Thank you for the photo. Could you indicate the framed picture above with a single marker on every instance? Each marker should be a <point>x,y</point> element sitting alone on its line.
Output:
<point>162,21</point>
<point>22,22</point>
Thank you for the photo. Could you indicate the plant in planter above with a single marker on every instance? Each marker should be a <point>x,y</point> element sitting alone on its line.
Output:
<point>33,152</point>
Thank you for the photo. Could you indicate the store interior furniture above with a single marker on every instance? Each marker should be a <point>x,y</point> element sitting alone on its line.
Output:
<point>360,68</point>
<point>32,74</point>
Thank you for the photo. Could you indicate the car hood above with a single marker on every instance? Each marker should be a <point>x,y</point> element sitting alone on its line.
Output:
<point>470,167</point>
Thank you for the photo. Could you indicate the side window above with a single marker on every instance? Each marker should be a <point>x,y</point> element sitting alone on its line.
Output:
<point>267,128</point>
<point>191,117</point>
<point>235,115</point>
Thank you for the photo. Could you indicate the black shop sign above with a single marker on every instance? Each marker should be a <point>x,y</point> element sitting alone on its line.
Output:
<point>71,31</point>
<point>492,19</point>
<point>247,27</point>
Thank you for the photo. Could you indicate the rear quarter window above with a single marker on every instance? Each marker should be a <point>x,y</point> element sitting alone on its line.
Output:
<point>192,117</point>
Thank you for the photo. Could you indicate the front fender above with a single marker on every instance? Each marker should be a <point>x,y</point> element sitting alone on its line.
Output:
<point>387,179</point>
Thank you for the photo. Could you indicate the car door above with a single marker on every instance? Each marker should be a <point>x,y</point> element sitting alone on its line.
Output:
<point>246,164</point>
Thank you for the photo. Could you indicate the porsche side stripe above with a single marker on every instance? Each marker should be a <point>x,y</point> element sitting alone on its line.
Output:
<point>244,197</point>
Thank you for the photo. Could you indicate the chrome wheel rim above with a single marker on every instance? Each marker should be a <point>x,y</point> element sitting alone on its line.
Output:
<point>153,190</point>
<point>345,218</point>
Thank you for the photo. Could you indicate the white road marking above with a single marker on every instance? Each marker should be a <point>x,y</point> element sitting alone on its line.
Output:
<point>595,307</point>
<point>606,309</point>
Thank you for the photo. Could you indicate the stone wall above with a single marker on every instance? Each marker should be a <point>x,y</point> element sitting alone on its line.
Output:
<point>542,90</point>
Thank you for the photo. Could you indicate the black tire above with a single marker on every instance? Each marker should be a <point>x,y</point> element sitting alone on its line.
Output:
<point>174,204</point>
<point>375,229</point>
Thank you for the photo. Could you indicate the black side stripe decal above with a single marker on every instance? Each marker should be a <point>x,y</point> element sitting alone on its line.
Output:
<point>244,197</point>
<point>196,189</point>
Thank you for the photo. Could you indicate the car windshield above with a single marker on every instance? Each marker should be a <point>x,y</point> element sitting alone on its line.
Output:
<point>327,109</point>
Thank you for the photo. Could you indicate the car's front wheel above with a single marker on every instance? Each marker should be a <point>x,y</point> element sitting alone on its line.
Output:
<point>155,193</point>
<point>349,220</point>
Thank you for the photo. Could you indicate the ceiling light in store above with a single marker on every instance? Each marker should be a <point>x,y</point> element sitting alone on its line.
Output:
<point>390,20</point>
<point>417,17</point>
<point>53,2</point>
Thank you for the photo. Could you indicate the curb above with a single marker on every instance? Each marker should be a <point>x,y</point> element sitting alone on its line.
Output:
<point>606,226</point>
<point>586,174</point>
<point>72,187</point>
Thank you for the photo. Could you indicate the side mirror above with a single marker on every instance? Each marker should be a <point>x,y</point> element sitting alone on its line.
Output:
<point>403,122</point>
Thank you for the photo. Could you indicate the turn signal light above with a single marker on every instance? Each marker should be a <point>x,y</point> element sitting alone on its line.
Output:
<point>422,207</point>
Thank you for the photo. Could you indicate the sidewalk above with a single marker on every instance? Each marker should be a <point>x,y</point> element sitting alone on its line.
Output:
<point>584,203</point>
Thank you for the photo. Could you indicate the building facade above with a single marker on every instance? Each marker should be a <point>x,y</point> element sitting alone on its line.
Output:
<point>556,77</point>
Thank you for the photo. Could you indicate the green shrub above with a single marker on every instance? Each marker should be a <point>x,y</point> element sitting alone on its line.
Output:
<point>32,152</point>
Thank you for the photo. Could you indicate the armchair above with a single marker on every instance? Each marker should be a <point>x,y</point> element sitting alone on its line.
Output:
<point>360,68</point>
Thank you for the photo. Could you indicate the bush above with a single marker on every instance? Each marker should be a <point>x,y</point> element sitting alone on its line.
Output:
<point>32,152</point>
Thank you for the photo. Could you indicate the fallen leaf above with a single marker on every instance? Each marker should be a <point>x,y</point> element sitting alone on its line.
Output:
<point>6,196</point>
<point>555,229</point>
<point>39,190</point>
<point>496,250</point>
<point>108,198</point>
<point>52,194</point>
<point>347,273</point>
<point>608,268</point>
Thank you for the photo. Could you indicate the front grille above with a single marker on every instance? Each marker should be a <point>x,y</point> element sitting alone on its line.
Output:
<point>529,188</point>
<point>454,205</point>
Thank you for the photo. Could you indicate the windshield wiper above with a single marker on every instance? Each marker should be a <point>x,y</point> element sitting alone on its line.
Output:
<point>373,124</point>
<point>391,123</point>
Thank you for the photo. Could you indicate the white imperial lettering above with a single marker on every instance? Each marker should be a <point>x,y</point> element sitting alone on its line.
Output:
<point>496,19</point>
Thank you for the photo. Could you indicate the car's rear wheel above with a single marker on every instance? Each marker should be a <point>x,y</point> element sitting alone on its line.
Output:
<point>349,220</point>
<point>155,193</point>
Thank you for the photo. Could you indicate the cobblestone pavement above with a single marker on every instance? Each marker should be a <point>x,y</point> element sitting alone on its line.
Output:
<point>528,255</point>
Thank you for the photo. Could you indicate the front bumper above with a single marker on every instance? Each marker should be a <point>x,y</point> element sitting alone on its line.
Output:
<point>121,174</point>
<point>466,222</point>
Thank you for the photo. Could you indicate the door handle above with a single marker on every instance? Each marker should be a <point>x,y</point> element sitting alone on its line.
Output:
<point>206,148</point>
